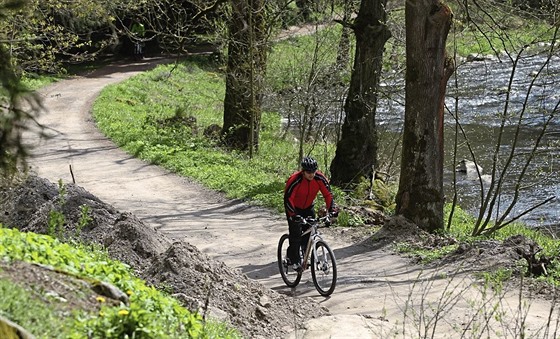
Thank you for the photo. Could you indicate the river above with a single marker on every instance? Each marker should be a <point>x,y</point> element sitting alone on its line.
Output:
<point>478,92</point>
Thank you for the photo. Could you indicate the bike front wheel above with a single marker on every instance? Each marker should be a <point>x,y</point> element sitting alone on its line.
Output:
<point>323,268</point>
<point>289,275</point>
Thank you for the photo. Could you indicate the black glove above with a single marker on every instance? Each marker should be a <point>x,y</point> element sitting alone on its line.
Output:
<point>334,212</point>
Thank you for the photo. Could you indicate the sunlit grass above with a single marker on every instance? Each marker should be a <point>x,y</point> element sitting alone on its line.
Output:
<point>134,115</point>
<point>149,310</point>
<point>18,303</point>
<point>38,81</point>
<point>461,230</point>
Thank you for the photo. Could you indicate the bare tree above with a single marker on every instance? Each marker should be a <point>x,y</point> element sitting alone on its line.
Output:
<point>496,201</point>
<point>420,197</point>
<point>356,151</point>
<point>308,89</point>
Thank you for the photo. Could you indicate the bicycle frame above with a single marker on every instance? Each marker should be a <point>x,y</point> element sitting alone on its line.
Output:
<point>313,238</point>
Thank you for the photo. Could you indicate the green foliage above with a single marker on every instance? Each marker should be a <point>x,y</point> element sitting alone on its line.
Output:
<point>44,30</point>
<point>425,254</point>
<point>55,224</point>
<point>381,196</point>
<point>496,279</point>
<point>34,81</point>
<point>84,220</point>
<point>56,218</point>
<point>385,195</point>
<point>150,313</point>
<point>346,219</point>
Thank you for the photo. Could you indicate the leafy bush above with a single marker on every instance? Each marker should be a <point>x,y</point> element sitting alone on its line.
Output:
<point>149,314</point>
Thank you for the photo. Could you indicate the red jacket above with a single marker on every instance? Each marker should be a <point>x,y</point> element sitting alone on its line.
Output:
<point>300,193</point>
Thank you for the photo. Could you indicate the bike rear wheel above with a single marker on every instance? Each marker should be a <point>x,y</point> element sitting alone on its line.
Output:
<point>323,269</point>
<point>289,275</point>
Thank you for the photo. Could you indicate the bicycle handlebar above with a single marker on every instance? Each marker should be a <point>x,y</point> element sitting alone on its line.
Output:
<point>325,221</point>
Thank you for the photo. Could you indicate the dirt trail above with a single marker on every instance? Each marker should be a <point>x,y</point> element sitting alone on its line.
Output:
<point>375,288</point>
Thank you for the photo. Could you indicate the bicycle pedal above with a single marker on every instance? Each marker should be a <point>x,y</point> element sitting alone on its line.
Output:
<point>297,268</point>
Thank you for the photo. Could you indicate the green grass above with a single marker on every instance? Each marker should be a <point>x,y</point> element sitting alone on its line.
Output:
<point>463,224</point>
<point>150,312</point>
<point>138,115</point>
<point>470,41</point>
<point>18,303</point>
<point>34,82</point>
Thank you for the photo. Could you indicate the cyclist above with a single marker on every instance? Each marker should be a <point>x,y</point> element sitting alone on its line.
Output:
<point>300,192</point>
<point>138,31</point>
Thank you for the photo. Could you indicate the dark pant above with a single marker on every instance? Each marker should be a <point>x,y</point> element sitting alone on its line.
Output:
<point>138,49</point>
<point>296,240</point>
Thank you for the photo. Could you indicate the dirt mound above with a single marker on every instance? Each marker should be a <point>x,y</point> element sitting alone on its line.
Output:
<point>517,253</point>
<point>200,282</point>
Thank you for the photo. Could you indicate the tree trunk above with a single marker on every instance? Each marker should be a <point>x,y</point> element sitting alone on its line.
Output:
<point>343,55</point>
<point>245,72</point>
<point>420,196</point>
<point>304,7</point>
<point>356,150</point>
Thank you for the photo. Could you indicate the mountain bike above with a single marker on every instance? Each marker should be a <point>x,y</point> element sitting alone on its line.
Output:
<point>316,254</point>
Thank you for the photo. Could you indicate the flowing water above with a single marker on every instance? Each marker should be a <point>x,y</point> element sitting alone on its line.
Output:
<point>481,89</point>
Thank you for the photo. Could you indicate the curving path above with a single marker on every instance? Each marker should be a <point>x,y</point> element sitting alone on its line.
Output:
<point>374,287</point>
